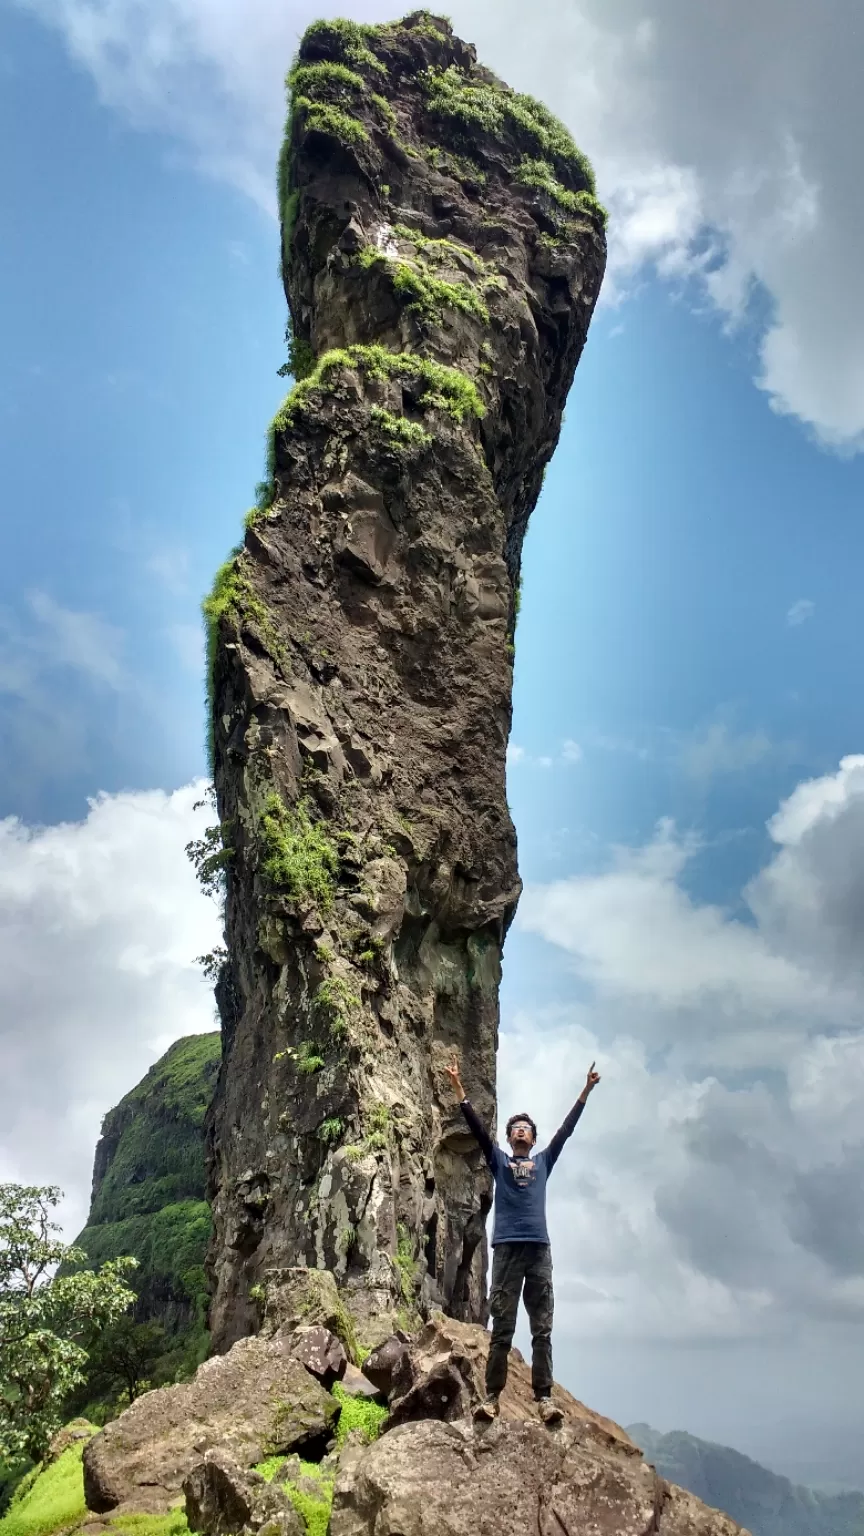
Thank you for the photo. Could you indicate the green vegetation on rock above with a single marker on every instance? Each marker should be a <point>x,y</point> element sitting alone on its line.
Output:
<point>539,173</point>
<point>421,290</point>
<point>149,1201</point>
<point>403,432</point>
<point>405,1263</point>
<point>326,118</point>
<point>299,858</point>
<point>360,1413</point>
<point>335,1003</point>
<point>232,594</point>
<point>172,1523</point>
<point>479,104</point>
<point>444,389</point>
<point>349,39</point>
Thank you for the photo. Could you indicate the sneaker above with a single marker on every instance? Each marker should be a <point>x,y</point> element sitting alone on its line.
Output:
<point>549,1412</point>
<point>487,1410</point>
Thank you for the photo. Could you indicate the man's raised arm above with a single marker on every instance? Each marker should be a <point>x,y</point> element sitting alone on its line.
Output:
<point>478,1129</point>
<point>565,1131</point>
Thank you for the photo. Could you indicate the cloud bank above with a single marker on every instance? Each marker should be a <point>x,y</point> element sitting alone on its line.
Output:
<point>100,924</point>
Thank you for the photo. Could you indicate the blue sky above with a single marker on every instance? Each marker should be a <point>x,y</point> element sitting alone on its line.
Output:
<point>687,667</point>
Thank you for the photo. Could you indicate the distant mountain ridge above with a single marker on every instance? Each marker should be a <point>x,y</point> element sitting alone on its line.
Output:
<point>148,1197</point>
<point>767,1504</point>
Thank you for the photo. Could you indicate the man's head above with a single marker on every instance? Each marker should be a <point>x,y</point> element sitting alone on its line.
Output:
<point>521,1132</point>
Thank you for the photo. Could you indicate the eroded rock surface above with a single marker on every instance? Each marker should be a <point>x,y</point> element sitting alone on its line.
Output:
<point>253,1402</point>
<point>434,1479</point>
<point>222,1498</point>
<point>442,255</point>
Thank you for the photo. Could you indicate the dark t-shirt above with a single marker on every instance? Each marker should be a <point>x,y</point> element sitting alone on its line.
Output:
<point>520,1182</point>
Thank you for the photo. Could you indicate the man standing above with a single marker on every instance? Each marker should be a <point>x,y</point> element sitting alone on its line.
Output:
<point>520,1243</point>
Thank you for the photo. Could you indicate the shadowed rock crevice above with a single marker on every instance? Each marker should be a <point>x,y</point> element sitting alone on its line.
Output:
<point>442,252</point>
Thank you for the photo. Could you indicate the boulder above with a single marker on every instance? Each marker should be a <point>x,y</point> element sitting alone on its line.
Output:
<point>356,1384</point>
<point>253,1402</point>
<point>440,1374</point>
<point>302,1298</point>
<point>434,1479</point>
<point>321,1353</point>
<point>222,1498</point>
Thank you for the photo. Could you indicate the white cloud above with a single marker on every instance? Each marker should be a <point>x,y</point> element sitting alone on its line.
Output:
<point>724,141</point>
<point>54,638</point>
<point>515,754</point>
<point>801,611</point>
<point>100,924</point>
<point>716,749</point>
<point>572,752</point>
<point>716,1188</point>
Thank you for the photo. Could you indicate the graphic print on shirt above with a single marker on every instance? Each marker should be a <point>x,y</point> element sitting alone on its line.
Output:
<point>523,1170</point>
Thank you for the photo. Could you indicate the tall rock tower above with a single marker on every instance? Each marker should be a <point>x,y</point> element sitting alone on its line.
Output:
<point>442,252</point>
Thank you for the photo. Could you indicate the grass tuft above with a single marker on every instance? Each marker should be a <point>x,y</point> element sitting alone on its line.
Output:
<point>358,1413</point>
<point>299,858</point>
<point>476,103</point>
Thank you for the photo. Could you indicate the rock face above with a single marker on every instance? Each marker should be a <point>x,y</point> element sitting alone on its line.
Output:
<point>149,1193</point>
<point>434,1479</point>
<point>254,1402</point>
<point>442,254</point>
<point>221,1498</point>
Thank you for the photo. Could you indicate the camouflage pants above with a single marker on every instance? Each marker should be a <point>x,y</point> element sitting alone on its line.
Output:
<point>515,1265</point>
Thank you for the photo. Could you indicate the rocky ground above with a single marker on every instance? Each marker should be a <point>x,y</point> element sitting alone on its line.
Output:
<point>284,1434</point>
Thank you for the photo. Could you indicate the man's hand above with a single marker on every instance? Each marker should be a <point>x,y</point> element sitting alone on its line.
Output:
<point>591,1082</point>
<point>455,1079</point>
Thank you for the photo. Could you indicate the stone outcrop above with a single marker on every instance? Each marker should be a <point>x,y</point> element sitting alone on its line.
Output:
<point>442,253</point>
<point>439,1373</point>
<point>254,1402</point>
<point>432,1471</point>
<point>222,1498</point>
<point>452,1480</point>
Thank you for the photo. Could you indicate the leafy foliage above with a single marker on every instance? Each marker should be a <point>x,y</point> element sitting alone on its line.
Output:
<point>210,857</point>
<point>45,1319</point>
<point>298,856</point>
<point>403,432</point>
<point>445,389</point>
<point>124,1358</point>
<point>335,1002</point>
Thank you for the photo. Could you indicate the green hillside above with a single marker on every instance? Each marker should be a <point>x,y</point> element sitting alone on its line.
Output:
<point>149,1196</point>
<point>761,1501</point>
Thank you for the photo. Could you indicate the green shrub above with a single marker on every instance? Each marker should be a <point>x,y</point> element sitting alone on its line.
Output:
<point>298,856</point>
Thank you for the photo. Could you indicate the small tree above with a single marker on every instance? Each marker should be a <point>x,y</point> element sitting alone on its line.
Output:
<point>45,1317</point>
<point>123,1358</point>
